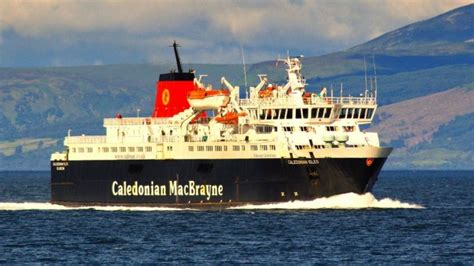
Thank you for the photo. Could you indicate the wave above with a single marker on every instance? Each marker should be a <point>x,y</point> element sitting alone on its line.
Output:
<point>342,201</point>
<point>45,206</point>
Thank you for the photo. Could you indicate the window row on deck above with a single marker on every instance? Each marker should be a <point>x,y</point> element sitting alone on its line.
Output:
<point>356,113</point>
<point>311,113</point>
<point>110,149</point>
<point>209,148</point>
<point>312,129</point>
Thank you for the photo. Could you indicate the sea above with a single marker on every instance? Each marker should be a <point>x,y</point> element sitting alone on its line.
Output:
<point>410,217</point>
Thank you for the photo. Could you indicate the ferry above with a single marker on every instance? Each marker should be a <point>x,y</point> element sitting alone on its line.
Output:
<point>205,148</point>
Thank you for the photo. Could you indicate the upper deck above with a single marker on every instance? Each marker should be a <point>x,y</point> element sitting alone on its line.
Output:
<point>313,109</point>
<point>312,100</point>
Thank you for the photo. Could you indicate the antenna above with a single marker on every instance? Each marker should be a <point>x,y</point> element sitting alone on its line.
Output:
<point>365,69</point>
<point>178,61</point>
<point>371,87</point>
<point>340,92</point>
<point>245,71</point>
<point>375,78</point>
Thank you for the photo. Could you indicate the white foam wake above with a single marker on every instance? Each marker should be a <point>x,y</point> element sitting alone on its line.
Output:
<point>343,201</point>
<point>45,206</point>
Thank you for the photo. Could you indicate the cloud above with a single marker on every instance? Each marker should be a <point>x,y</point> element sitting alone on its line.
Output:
<point>313,27</point>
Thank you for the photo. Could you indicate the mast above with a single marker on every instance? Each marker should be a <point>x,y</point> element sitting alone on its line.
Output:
<point>245,72</point>
<point>178,61</point>
<point>365,69</point>
<point>375,78</point>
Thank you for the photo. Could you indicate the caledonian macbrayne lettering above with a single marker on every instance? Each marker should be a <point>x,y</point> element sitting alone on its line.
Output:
<point>173,189</point>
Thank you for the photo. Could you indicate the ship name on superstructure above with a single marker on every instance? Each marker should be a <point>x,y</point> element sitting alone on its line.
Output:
<point>297,162</point>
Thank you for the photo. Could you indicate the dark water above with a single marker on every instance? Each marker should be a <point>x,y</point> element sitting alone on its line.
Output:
<point>441,232</point>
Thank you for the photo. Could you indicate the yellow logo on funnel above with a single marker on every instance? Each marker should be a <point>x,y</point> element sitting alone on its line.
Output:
<point>165,97</point>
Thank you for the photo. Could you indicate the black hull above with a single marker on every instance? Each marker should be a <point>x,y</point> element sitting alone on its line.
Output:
<point>207,183</point>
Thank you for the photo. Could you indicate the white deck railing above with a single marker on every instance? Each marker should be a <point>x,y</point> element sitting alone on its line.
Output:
<point>312,100</point>
<point>85,139</point>
<point>135,121</point>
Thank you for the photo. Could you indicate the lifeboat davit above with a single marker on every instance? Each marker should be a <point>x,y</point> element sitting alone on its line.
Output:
<point>208,99</point>
<point>230,118</point>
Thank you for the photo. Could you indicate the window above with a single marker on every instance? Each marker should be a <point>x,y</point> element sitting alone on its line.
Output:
<point>89,149</point>
<point>200,148</point>
<point>370,112</point>
<point>131,149</point>
<point>304,129</point>
<point>362,113</point>
<point>272,147</point>
<point>81,149</point>
<point>253,147</point>
<point>321,112</point>
<point>350,113</point>
<point>348,128</point>
<point>218,148</point>
<point>289,113</point>
<point>298,113</point>
<point>305,113</point>
<point>105,149</point>
<point>282,113</point>
<point>122,149</point>
<point>327,113</point>
<point>263,147</point>
<point>209,148</point>
<point>169,148</point>
<point>73,150</point>
<point>236,148</point>
<point>148,149</point>
<point>243,147</point>
<point>277,113</point>
<point>264,129</point>
<point>225,148</point>
<point>190,148</point>
<point>331,128</point>
<point>268,114</point>
<point>356,113</point>
<point>114,149</point>
<point>314,112</point>
<point>273,113</point>
<point>343,113</point>
<point>139,149</point>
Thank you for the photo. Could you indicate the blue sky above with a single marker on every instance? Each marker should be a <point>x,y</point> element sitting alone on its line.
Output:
<point>59,33</point>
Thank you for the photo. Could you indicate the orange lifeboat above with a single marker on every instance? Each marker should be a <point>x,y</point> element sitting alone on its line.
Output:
<point>208,99</point>
<point>230,118</point>
<point>266,92</point>
<point>307,97</point>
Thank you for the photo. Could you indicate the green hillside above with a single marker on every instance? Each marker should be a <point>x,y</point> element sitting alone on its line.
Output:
<point>447,34</point>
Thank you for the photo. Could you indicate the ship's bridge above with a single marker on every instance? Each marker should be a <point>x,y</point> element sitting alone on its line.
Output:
<point>312,109</point>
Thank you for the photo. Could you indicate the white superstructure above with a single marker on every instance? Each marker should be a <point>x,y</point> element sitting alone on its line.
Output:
<point>273,122</point>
